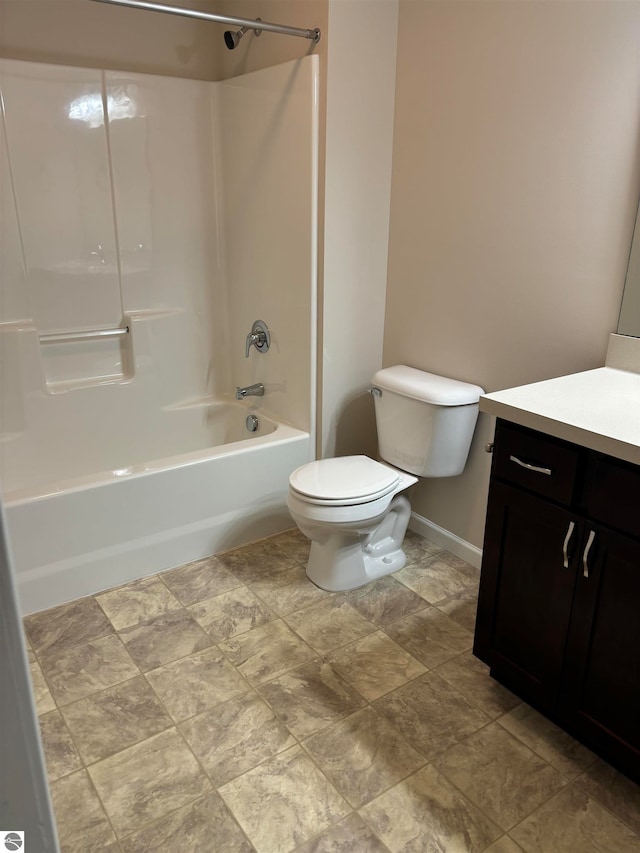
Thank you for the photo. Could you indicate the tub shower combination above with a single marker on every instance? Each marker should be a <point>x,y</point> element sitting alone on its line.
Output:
<point>143,424</point>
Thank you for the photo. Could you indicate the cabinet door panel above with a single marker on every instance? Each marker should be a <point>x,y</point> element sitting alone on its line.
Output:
<point>526,593</point>
<point>601,700</point>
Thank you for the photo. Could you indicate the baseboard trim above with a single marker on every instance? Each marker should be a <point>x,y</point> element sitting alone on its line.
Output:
<point>449,541</point>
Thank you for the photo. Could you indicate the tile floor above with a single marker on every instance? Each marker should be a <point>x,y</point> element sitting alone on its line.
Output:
<point>229,705</point>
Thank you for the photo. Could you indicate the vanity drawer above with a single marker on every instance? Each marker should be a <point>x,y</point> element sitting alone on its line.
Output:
<point>613,494</point>
<point>534,461</point>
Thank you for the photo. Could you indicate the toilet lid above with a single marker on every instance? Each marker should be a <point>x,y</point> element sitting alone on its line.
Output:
<point>346,479</point>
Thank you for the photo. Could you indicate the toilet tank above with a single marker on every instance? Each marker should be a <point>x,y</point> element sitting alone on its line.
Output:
<point>425,422</point>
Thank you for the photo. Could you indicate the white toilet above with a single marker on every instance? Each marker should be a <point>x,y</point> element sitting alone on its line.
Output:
<point>351,507</point>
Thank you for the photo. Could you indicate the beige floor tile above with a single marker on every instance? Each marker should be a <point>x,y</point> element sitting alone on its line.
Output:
<point>197,581</point>
<point>254,562</point>
<point>310,698</point>
<point>69,625</point>
<point>233,612</point>
<point>614,791</point>
<point>501,775</point>
<point>548,741</point>
<point>204,826</point>
<point>384,601</point>
<point>363,755</point>
<point>426,813</point>
<point>60,751</point>
<point>196,683</point>
<point>434,579</point>
<point>109,721</point>
<point>505,845</point>
<point>329,625</point>
<point>41,692</point>
<point>236,736</point>
<point>462,607</point>
<point>471,677</point>
<point>136,602</point>
<point>164,639</point>
<point>294,544</point>
<point>417,548</point>
<point>266,652</point>
<point>81,821</point>
<point>430,714</point>
<point>430,636</point>
<point>572,822</point>
<point>83,670</point>
<point>351,835</point>
<point>284,802</point>
<point>144,782</point>
<point>289,590</point>
<point>375,665</point>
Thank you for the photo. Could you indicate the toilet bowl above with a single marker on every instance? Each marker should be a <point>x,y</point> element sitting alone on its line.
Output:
<point>351,507</point>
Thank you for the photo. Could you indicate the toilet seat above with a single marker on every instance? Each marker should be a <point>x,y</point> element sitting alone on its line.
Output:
<point>343,481</point>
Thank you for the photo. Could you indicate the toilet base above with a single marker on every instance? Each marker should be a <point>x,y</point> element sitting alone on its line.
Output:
<point>347,559</point>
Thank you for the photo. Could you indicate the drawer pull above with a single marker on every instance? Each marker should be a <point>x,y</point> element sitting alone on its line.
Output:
<point>565,547</point>
<point>585,556</point>
<point>530,467</point>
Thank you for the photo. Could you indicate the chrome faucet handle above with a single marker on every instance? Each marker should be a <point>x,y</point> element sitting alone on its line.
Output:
<point>259,337</point>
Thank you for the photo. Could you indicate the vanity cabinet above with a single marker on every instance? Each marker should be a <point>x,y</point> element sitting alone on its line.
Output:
<point>559,603</point>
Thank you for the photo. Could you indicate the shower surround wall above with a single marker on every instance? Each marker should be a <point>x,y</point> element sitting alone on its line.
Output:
<point>182,211</point>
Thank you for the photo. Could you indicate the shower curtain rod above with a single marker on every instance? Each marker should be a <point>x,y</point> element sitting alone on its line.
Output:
<point>312,35</point>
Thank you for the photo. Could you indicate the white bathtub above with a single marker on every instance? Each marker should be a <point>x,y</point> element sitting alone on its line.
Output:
<point>214,486</point>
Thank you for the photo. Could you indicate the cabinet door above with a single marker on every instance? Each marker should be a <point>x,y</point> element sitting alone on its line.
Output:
<point>601,698</point>
<point>526,591</point>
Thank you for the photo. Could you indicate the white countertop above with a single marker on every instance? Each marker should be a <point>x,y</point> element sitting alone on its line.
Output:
<point>598,409</point>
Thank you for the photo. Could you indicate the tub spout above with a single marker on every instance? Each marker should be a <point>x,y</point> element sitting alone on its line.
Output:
<point>256,390</point>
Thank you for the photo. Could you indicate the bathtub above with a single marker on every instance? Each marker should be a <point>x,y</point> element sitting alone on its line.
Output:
<point>210,486</point>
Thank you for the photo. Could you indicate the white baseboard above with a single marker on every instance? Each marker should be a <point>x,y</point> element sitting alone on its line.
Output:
<point>447,540</point>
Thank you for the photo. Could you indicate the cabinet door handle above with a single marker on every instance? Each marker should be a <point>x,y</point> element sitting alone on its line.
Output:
<point>530,467</point>
<point>565,547</point>
<point>585,556</point>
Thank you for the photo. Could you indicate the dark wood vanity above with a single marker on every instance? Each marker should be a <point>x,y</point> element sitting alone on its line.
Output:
<point>559,604</point>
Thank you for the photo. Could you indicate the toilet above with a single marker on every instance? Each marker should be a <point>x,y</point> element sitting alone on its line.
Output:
<point>352,507</point>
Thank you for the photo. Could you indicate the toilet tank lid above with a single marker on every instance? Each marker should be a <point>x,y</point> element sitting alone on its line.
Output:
<point>426,387</point>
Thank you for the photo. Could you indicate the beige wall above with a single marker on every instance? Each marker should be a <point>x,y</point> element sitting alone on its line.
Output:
<point>515,184</point>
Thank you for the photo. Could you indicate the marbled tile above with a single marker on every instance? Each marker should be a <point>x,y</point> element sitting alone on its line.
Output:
<point>505,845</point>
<point>430,636</point>
<point>116,718</point>
<point>254,562</point>
<point>199,580</point>
<point>146,781</point>
<point>82,670</point>
<point>425,812</point>
<point>330,624</point>
<point>266,652</point>
<point>430,714</point>
<point>197,683</point>
<point>351,835</point>
<point>551,743</point>
<point>310,698</point>
<point>471,677</point>
<point>294,544</point>
<point>168,637</point>
<point>418,548</point>
<point>363,755</point>
<point>231,613</point>
<point>191,829</point>
<point>59,749</point>
<point>501,775</point>
<point>69,625</point>
<point>375,665</point>
<point>41,693</point>
<point>614,791</point>
<point>136,602</point>
<point>384,601</point>
<point>572,822</point>
<point>462,607</point>
<point>284,802</point>
<point>236,736</point>
<point>80,818</point>
<point>436,579</point>
<point>289,590</point>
